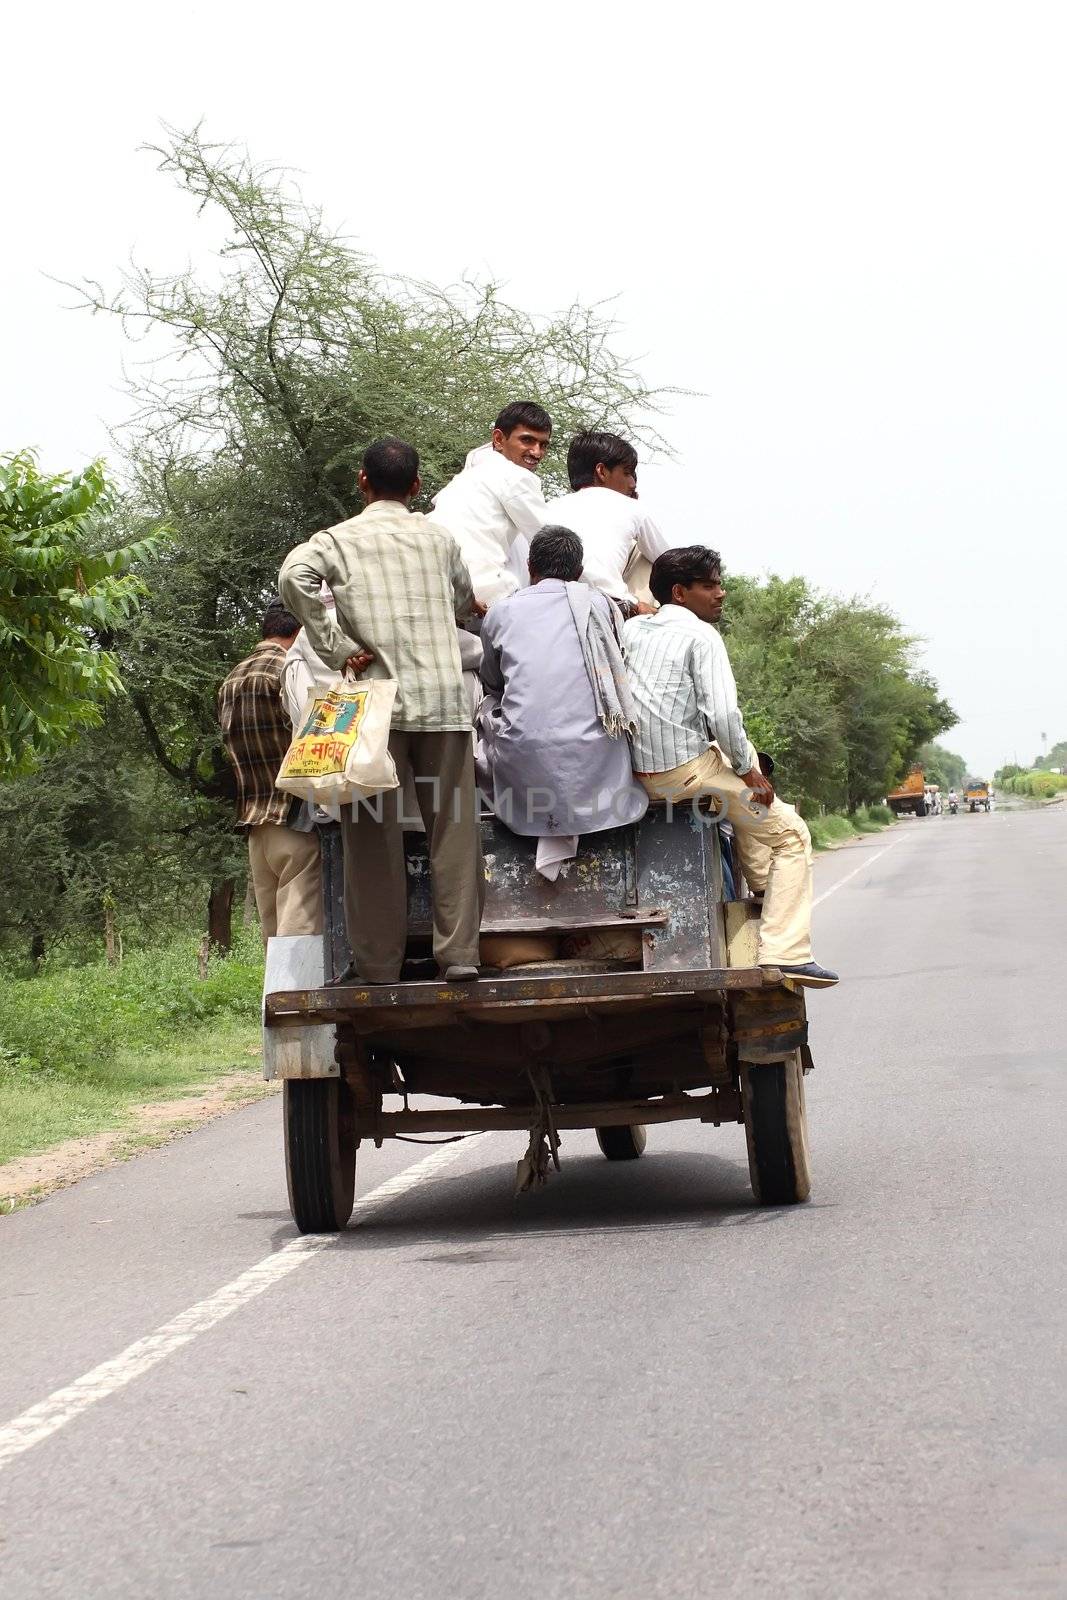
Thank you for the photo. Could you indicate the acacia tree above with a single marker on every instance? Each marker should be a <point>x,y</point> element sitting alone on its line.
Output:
<point>62,594</point>
<point>277,365</point>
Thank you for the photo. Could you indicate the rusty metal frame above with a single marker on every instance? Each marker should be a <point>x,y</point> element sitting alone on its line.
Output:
<point>720,1105</point>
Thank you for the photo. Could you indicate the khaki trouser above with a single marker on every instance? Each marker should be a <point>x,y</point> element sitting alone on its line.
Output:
<point>376,880</point>
<point>773,848</point>
<point>286,878</point>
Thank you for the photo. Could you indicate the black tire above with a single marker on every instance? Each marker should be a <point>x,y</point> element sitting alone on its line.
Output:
<point>320,1152</point>
<point>776,1128</point>
<point>920,808</point>
<point>622,1144</point>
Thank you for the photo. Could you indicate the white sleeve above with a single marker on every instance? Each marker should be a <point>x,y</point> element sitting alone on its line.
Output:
<point>524,502</point>
<point>650,541</point>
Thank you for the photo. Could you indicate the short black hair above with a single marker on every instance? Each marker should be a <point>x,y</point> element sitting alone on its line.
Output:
<point>391,465</point>
<point>686,566</point>
<point>556,552</point>
<point>590,449</point>
<point>278,623</point>
<point>523,414</point>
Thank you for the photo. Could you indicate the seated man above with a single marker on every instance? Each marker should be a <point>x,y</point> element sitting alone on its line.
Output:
<point>554,753</point>
<point>691,741</point>
<point>399,587</point>
<point>603,511</point>
<point>496,502</point>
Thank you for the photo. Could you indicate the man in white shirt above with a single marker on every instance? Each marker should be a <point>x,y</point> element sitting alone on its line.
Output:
<point>497,500</point>
<point>691,741</point>
<point>603,510</point>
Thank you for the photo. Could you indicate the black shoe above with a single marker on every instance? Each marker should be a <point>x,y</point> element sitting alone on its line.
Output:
<point>809,976</point>
<point>461,974</point>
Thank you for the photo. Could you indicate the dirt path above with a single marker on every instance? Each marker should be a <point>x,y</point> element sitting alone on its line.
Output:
<point>31,1177</point>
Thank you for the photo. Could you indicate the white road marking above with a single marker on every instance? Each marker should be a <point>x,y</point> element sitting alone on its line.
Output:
<point>840,884</point>
<point>48,1416</point>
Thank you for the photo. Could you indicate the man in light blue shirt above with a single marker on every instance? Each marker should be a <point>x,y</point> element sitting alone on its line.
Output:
<point>691,741</point>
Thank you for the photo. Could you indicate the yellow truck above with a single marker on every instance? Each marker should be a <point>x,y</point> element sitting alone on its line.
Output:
<point>976,795</point>
<point>910,798</point>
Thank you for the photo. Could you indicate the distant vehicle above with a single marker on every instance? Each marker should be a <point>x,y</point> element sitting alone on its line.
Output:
<point>910,798</point>
<point>977,795</point>
<point>953,804</point>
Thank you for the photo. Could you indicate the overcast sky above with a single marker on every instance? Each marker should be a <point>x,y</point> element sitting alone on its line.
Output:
<point>843,223</point>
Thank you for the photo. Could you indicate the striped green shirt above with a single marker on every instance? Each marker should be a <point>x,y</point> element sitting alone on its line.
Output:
<point>399,586</point>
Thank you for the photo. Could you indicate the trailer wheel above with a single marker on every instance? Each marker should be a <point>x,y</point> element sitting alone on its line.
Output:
<point>320,1152</point>
<point>776,1128</point>
<point>622,1144</point>
<point>920,808</point>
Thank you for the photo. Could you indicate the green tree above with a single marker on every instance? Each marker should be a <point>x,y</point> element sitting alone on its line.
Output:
<point>942,766</point>
<point>62,593</point>
<point>1057,757</point>
<point>278,364</point>
<point>830,688</point>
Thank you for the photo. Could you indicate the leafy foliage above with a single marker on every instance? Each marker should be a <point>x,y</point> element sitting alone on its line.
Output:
<point>1036,785</point>
<point>829,688</point>
<point>942,766</point>
<point>61,594</point>
<point>1057,757</point>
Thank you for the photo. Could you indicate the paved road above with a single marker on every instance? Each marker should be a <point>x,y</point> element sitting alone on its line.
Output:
<point>634,1383</point>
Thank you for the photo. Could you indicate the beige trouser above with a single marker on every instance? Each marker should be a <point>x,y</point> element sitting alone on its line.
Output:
<point>773,848</point>
<point>286,879</point>
<point>376,880</point>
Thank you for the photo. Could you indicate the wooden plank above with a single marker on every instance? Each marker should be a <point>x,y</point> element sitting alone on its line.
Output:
<point>289,1008</point>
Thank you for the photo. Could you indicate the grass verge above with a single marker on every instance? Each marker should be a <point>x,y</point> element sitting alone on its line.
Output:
<point>835,828</point>
<point>80,1045</point>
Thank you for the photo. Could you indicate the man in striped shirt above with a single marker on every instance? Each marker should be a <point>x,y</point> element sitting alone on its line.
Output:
<point>256,733</point>
<point>691,741</point>
<point>400,586</point>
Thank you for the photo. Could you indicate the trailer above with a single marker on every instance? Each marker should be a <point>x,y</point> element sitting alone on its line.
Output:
<point>680,1025</point>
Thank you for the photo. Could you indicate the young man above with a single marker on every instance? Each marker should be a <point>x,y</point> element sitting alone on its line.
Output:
<point>256,733</point>
<point>603,510</point>
<point>557,709</point>
<point>400,586</point>
<point>691,741</point>
<point>496,502</point>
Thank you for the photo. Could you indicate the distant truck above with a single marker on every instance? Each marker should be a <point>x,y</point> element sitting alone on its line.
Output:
<point>976,795</point>
<point>910,798</point>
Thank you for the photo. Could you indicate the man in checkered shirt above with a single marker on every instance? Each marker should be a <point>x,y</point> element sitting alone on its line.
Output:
<point>256,733</point>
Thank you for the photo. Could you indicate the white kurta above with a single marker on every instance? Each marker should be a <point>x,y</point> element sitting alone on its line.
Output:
<point>610,526</point>
<point>487,508</point>
<point>545,757</point>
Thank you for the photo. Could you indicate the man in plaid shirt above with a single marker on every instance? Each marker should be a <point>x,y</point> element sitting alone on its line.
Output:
<point>400,586</point>
<point>256,733</point>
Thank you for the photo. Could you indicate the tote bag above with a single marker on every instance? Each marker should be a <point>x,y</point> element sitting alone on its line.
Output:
<point>340,751</point>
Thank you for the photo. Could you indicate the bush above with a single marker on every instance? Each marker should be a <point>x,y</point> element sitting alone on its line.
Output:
<point>833,828</point>
<point>72,1023</point>
<point>1036,785</point>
